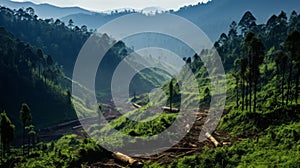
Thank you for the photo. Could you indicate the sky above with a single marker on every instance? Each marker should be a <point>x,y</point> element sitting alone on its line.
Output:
<point>105,5</point>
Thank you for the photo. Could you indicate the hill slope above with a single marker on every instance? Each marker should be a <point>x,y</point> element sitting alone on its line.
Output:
<point>29,76</point>
<point>45,10</point>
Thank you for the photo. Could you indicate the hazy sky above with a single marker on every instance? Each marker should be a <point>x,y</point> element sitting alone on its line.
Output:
<point>103,5</point>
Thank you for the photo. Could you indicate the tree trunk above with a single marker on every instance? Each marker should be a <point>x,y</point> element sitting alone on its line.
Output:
<point>289,84</point>
<point>23,150</point>
<point>297,86</point>
<point>246,96</point>
<point>237,93</point>
<point>250,82</point>
<point>254,104</point>
<point>243,94</point>
<point>282,89</point>
<point>171,94</point>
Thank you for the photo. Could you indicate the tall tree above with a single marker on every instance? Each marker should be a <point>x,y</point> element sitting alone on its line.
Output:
<point>236,77</point>
<point>293,21</point>
<point>248,54</point>
<point>293,43</point>
<point>7,132</point>
<point>281,61</point>
<point>257,50</point>
<point>247,22</point>
<point>26,117</point>
<point>243,76</point>
<point>171,93</point>
<point>254,50</point>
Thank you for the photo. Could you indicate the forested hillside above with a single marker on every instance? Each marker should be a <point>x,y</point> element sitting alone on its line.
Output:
<point>30,76</point>
<point>64,41</point>
<point>262,116</point>
<point>260,126</point>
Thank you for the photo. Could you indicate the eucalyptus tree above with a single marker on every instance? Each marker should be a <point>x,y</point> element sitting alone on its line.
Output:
<point>292,44</point>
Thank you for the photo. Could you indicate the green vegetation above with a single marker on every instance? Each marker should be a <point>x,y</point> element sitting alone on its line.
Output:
<point>262,64</point>
<point>28,75</point>
<point>7,133</point>
<point>68,151</point>
<point>64,42</point>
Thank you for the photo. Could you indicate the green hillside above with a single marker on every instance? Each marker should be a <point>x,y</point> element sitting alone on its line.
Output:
<point>29,76</point>
<point>261,61</point>
<point>260,126</point>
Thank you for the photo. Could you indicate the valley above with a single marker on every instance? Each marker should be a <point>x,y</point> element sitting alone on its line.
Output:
<point>168,120</point>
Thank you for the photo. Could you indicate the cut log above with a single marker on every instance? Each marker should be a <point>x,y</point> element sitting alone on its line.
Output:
<point>212,139</point>
<point>226,143</point>
<point>168,109</point>
<point>136,105</point>
<point>126,159</point>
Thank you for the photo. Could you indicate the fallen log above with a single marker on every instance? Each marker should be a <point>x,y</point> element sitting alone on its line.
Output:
<point>212,139</point>
<point>126,159</point>
<point>226,143</point>
<point>136,105</point>
<point>168,109</point>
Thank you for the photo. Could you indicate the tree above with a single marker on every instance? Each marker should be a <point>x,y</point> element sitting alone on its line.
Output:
<point>232,34</point>
<point>84,29</point>
<point>254,49</point>
<point>31,137</point>
<point>7,132</point>
<point>293,21</point>
<point>257,48</point>
<point>25,116</point>
<point>247,22</point>
<point>243,76</point>
<point>189,60</point>
<point>247,49</point>
<point>40,56</point>
<point>171,93</point>
<point>30,11</point>
<point>293,43</point>
<point>71,24</point>
<point>236,77</point>
<point>281,62</point>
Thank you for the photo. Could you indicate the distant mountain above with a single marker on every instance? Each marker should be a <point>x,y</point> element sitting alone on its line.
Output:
<point>213,17</point>
<point>45,10</point>
<point>64,43</point>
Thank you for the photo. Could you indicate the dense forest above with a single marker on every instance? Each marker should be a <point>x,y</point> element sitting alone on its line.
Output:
<point>261,118</point>
<point>28,75</point>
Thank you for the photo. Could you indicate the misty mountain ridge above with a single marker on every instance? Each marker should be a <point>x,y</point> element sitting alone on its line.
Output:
<point>212,17</point>
<point>45,10</point>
